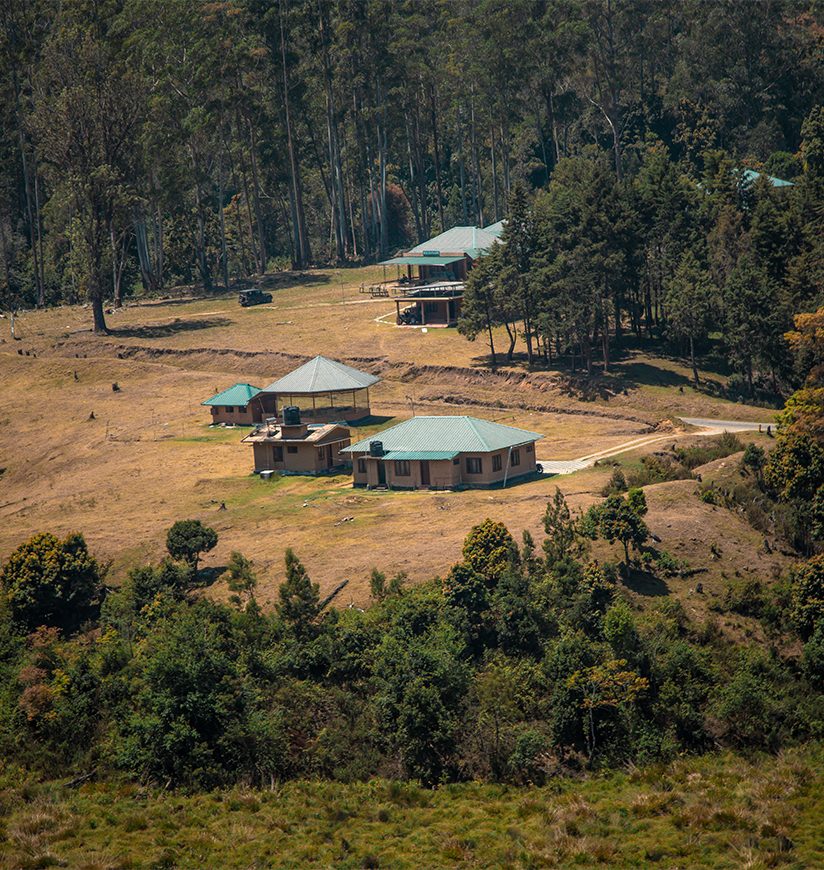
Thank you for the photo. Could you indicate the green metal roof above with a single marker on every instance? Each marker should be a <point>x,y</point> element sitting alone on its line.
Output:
<point>419,454</point>
<point>495,229</point>
<point>239,394</point>
<point>420,261</point>
<point>322,375</point>
<point>457,240</point>
<point>750,176</point>
<point>448,435</point>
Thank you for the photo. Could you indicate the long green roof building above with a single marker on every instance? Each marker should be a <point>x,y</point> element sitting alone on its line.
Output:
<point>446,452</point>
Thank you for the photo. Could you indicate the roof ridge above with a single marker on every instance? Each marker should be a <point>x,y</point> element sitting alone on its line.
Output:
<point>473,421</point>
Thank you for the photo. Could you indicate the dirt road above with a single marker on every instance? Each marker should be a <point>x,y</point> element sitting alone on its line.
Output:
<point>707,425</point>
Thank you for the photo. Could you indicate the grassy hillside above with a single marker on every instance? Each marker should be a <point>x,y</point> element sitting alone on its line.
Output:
<point>148,457</point>
<point>717,811</point>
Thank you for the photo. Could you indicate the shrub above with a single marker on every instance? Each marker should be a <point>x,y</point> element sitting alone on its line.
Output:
<point>617,483</point>
<point>746,707</point>
<point>712,448</point>
<point>52,582</point>
<point>657,468</point>
<point>813,660</point>
<point>668,565</point>
<point>746,597</point>
<point>753,459</point>
<point>808,596</point>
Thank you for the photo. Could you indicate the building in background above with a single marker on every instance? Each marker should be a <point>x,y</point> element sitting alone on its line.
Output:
<point>435,271</point>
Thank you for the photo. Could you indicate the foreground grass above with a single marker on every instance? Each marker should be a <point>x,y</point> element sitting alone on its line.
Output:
<point>715,811</point>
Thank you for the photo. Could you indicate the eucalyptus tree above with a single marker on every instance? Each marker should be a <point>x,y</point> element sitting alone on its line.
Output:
<point>88,103</point>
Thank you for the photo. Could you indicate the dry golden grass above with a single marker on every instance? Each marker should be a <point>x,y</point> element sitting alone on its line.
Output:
<point>149,458</point>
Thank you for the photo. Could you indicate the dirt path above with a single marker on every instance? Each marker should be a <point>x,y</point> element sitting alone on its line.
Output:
<point>708,426</point>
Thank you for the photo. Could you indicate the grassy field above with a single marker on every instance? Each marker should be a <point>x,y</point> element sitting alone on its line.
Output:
<point>122,466</point>
<point>716,812</point>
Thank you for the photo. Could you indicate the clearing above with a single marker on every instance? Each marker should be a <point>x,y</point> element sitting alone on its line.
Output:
<point>121,466</point>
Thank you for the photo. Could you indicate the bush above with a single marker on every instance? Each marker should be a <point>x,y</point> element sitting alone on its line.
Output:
<point>657,468</point>
<point>52,582</point>
<point>808,596</point>
<point>745,597</point>
<point>712,448</point>
<point>617,483</point>
<point>813,659</point>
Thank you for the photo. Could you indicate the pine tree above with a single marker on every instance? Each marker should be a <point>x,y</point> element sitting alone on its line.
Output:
<point>298,606</point>
<point>689,304</point>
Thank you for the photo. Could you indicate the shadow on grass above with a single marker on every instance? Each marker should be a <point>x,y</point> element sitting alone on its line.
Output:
<point>371,420</point>
<point>208,576</point>
<point>627,372</point>
<point>644,583</point>
<point>291,279</point>
<point>164,330</point>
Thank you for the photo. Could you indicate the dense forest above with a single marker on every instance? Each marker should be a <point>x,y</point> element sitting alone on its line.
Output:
<point>146,145</point>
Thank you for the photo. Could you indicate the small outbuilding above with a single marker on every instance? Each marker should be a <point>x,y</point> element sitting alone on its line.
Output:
<point>444,453</point>
<point>296,447</point>
<point>239,406</point>
<point>324,390</point>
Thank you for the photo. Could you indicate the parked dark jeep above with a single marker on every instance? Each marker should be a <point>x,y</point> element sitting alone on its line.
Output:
<point>255,296</point>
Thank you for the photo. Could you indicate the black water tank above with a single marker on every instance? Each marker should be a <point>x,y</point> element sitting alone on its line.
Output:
<point>291,415</point>
<point>376,448</point>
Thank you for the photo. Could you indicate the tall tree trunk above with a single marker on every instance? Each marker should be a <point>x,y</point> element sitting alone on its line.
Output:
<point>692,361</point>
<point>261,229</point>
<point>505,157</point>
<point>494,174</point>
<point>413,187</point>
<point>202,262</point>
<point>477,186</point>
<point>224,251</point>
<point>4,253</point>
<point>335,168</point>
<point>41,290</point>
<point>94,245</point>
<point>116,271</point>
<point>248,202</point>
<point>302,249</point>
<point>462,166</point>
<point>39,225</point>
<point>380,121</point>
<point>513,337</point>
<point>437,150</point>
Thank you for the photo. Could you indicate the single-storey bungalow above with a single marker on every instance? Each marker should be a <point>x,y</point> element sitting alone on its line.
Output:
<point>435,274</point>
<point>443,453</point>
<point>324,390</point>
<point>239,406</point>
<point>296,447</point>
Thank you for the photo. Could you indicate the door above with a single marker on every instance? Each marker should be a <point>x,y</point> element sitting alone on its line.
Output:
<point>329,460</point>
<point>381,474</point>
<point>424,472</point>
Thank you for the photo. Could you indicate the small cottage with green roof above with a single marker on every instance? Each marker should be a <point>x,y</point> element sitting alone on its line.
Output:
<point>239,406</point>
<point>443,453</point>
